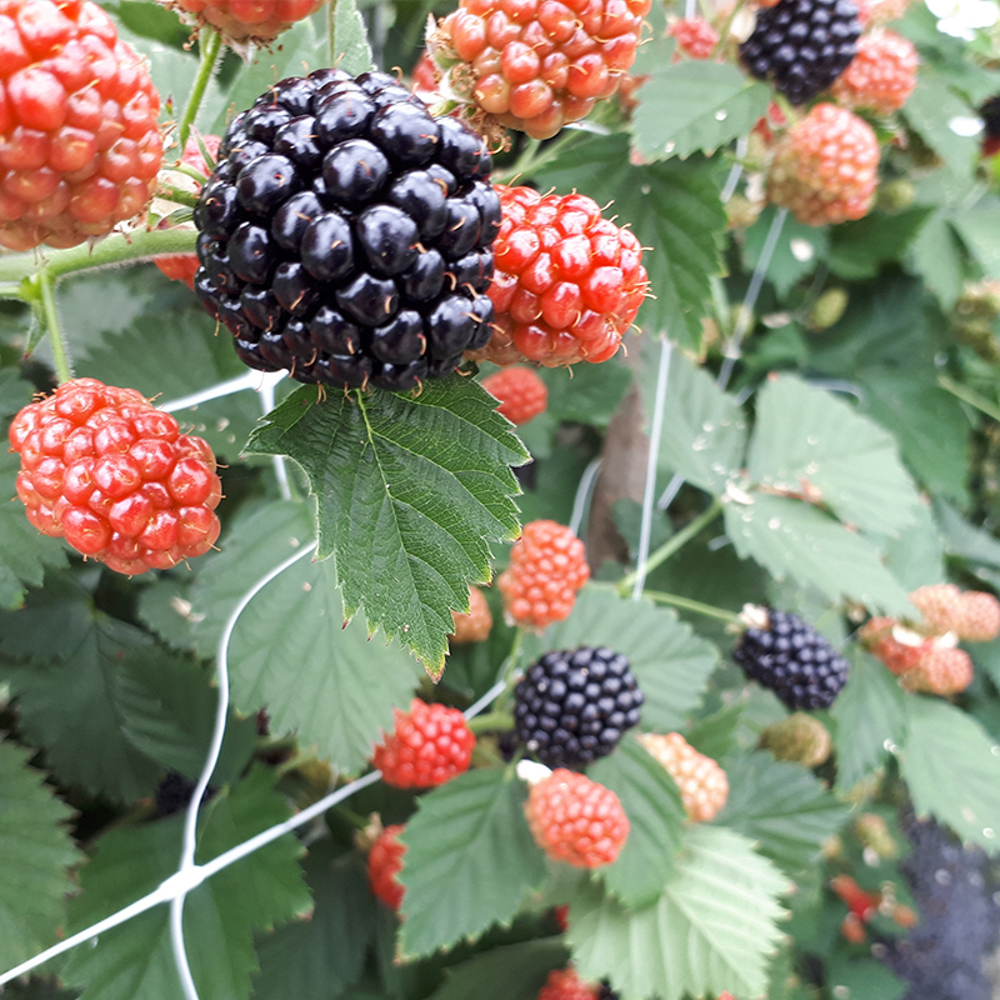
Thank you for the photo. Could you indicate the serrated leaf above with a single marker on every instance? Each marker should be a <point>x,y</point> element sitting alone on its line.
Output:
<point>978,230</point>
<point>806,439</point>
<point>704,429</point>
<point>868,713</point>
<point>652,802</point>
<point>952,768</point>
<point>696,105</point>
<point>511,972</point>
<point>163,608</point>
<point>24,551</point>
<point>334,686</point>
<point>915,556</point>
<point>470,860</point>
<point>929,109</point>
<point>348,37</point>
<point>36,853</point>
<point>782,807</point>
<point>798,249</point>
<point>858,249</point>
<point>790,537</point>
<point>135,960</point>
<point>715,735</point>
<point>411,492</point>
<point>671,664</point>
<point>320,956</point>
<point>673,208</point>
<point>711,929</point>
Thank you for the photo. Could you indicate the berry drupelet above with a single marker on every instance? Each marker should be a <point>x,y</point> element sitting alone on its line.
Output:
<point>572,707</point>
<point>346,234</point>
<point>787,655</point>
<point>802,46</point>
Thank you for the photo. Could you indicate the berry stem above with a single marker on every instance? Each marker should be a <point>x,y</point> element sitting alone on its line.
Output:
<point>59,356</point>
<point>673,545</point>
<point>12,290</point>
<point>534,157</point>
<point>117,249</point>
<point>491,722</point>
<point>969,396</point>
<point>210,43</point>
<point>508,671</point>
<point>685,603</point>
<point>177,196</point>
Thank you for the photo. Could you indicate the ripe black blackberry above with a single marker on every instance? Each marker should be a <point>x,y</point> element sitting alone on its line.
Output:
<point>572,707</point>
<point>989,111</point>
<point>346,234</point>
<point>802,46</point>
<point>787,655</point>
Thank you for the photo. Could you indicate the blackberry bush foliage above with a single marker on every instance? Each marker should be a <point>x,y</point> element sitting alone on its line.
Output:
<point>605,348</point>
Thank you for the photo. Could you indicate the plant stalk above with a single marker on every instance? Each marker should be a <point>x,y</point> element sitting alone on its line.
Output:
<point>687,604</point>
<point>211,45</point>
<point>59,356</point>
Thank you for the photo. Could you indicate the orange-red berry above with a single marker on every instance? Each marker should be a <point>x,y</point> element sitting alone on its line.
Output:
<point>696,38</point>
<point>941,607</point>
<point>522,393</point>
<point>567,282</point>
<point>259,21</point>
<point>566,984</point>
<point>703,785</point>
<point>80,146</point>
<point>881,76</point>
<point>475,624</point>
<point>576,820</point>
<point>548,567</point>
<point>899,648</point>
<point>944,671</point>
<point>385,862</point>
<point>429,745</point>
<point>107,471</point>
<point>978,617</point>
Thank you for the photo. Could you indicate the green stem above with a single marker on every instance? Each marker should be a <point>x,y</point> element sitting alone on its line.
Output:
<point>52,325</point>
<point>211,45</point>
<point>970,396</point>
<point>531,159</point>
<point>112,250</point>
<point>672,545</point>
<point>177,196</point>
<point>491,722</point>
<point>687,604</point>
<point>12,290</point>
<point>508,671</point>
<point>724,33</point>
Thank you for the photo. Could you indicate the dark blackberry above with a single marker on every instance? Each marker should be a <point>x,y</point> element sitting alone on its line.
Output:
<point>989,111</point>
<point>572,707</point>
<point>174,793</point>
<point>346,234</point>
<point>793,660</point>
<point>802,46</point>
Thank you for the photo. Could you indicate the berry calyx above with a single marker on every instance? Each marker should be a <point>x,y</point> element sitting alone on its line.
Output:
<point>80,146</point>
<point>572,707</point>
<point>385,862</point>
<point>258,21</point>
<point>785,653</point>
<point>703,785</point>
<point>345,234</point>
<point>521,392</point>
<point>576,820</point>
<point>534,66</point>
<point>825,168</point>
<point>568,283</point>
<point>475,624</point>
<point>107,471</point>
<point>881,76</point>
<point>696,38</point>
<point>548,567</point>
<point>799,738</point>
<point>428,746</point>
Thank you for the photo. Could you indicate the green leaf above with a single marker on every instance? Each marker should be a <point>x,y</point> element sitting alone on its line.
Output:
<point>806,439</point>
<point>696,105</point>
<point>915,556</point>
<point>334,686</point>
<point>410,493</point>
<point>323,954</point>
<point>24,552</point>
<point>978,229</point>
<point>704,429</point>
<point>349,48</point>
<point>673,207</point>
<point>511,972</point>
<point>671,664</point>
<point>790,537</point>
<point>135,959</point>
<point>470,860</point>
<point>796,252</point>
<point>952,768</point>
<point>863,977</point>
<point>858,249</point>
<point>938,256</point>
<point>929,109</point>
<point>716,735</point>
<point>869,713</point>
<point>36,853</point>
<point>586,394</point>
<point>711,930</point>
<point>653,805</point>
<point>782,807</point>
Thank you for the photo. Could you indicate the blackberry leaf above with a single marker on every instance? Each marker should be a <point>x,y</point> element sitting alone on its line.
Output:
<point>411,492</point>
<point>516,970</point>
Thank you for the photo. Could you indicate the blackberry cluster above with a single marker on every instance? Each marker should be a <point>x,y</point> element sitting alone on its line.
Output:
<point>792,659</point>
<point>346,235</point>
<point>802,46</point>
<point>989,111</point>
<point>572,707</point>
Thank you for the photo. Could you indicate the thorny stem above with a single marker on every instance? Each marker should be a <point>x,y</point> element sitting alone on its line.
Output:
<point>672,545</point>
<point>177,196</point>
<point>54,330</point>
<point>211,45</point>
<point>686,604</point>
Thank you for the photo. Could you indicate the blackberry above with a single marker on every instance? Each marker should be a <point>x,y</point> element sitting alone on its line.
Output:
<point>802,46</point>
<point>989,111</point>
<point>572,707</point>
<point>790,657</point>
<point>346,235</point>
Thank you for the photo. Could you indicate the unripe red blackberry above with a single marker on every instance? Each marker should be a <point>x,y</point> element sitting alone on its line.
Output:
<point>259,21</point>
<point>80,146</point>
<point>574,706</point>
<point>522,393</point>
<point>475,624</point>
<point>881,76</point>
<point>385,862</point>
<point>346,234</point>
<point>703,785</point>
